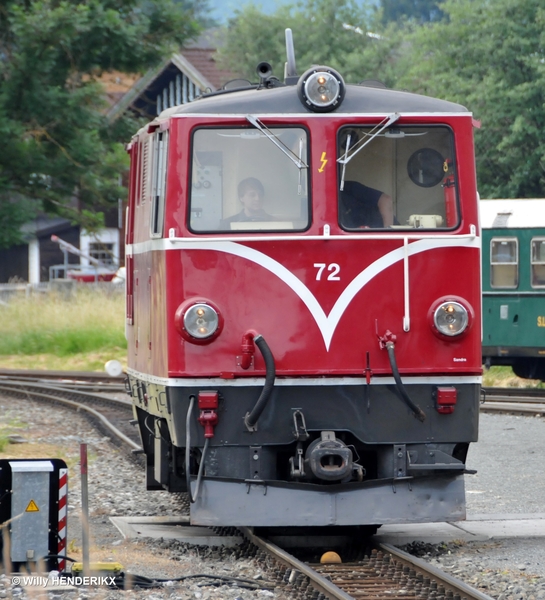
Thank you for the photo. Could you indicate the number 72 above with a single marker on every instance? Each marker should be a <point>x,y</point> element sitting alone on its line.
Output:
<point>333,268</point>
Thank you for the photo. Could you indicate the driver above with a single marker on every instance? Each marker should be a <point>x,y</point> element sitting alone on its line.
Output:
<point>363,206</point>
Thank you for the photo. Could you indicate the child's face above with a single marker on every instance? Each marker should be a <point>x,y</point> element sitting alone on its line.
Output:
<point>252,201</point>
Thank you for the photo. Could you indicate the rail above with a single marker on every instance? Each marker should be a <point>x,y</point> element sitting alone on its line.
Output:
<point>385,572</point>
<point>54,394</point>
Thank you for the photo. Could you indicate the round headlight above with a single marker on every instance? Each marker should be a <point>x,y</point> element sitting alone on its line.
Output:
<point>198,320</point>
<point>201,321</point>
<point>321,89</point>
<point>451,318</point>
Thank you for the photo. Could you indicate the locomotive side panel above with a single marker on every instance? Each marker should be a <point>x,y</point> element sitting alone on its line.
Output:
<point>146,275</point>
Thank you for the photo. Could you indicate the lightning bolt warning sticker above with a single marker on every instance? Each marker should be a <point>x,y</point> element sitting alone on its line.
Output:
<point>324,163</point>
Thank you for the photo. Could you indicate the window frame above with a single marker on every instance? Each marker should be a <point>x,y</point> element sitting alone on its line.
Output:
<point>516,263</point>
<point>534,263</point>
<point>247,127</point>
<point>103,249</point>
<point>452,171</point>
<point>159,162</point>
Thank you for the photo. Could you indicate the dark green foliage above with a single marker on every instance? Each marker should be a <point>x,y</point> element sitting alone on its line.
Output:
<point>490,57</point>
<point>59,152</point>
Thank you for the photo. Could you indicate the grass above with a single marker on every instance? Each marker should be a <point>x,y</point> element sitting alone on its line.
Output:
<point>80,330</point>
<point>504,377</point>
<point>9,426</point>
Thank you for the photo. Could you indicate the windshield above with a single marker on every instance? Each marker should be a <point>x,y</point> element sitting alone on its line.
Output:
<point>403,177</point>
<point>243,181</point>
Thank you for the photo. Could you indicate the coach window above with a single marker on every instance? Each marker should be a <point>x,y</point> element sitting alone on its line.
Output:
<point>538,262</point>
<point>249,179</point>
<point>400,177</point>
<point>504,266</point>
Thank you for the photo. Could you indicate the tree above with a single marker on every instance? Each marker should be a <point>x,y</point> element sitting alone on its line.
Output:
<point>490,56</point>
<point>421,11</point>
<point>200,9</point>
<point>338,33</point>
<point>59,153</point>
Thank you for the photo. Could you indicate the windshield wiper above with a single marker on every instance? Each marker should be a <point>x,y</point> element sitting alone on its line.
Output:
<point>297,160</point>
<point>351,152</point>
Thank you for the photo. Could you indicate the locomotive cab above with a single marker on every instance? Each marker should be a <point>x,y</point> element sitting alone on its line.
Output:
<point>303,294</point>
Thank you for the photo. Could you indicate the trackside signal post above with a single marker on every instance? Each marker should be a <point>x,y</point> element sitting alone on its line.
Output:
<point>33,495</point>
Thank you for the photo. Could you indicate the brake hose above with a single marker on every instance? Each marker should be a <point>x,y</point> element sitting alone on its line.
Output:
<point>252,417</point>
<point>192,498</point>
<point>418,412</point>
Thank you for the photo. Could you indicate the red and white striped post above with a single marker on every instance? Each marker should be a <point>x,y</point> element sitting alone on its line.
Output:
<point>62,527</point>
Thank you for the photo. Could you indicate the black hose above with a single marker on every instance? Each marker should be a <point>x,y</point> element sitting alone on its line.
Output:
<point>252,417</point>
<point>418,412</point>
<point>192,498</point>
<point>48,556</point>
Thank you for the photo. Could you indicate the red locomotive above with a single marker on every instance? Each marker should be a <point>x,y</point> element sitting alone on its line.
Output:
<point>303,302</point>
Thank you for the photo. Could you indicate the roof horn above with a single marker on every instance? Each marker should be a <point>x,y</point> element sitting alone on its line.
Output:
<point>290,71</point>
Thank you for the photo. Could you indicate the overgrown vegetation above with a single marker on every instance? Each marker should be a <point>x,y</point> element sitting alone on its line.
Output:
<point>80,330</point>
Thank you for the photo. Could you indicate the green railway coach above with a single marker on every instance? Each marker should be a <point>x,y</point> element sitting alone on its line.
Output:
<point>513,257</point>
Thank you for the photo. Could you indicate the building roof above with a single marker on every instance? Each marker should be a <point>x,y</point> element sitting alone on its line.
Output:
<point>195,64</point>
<point>512,213</point>
<point>45,225</point>
<point>203,59</point>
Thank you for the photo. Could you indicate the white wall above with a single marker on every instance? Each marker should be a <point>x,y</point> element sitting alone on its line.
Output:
<point>34,261</point>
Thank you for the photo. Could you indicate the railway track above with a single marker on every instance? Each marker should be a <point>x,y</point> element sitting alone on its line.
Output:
<point>110,414</point>
<point>377,572</point>
<point>526,401</point>
<point>371,572</point>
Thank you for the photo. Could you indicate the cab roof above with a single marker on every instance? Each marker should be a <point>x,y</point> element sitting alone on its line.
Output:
<point>358,99</point>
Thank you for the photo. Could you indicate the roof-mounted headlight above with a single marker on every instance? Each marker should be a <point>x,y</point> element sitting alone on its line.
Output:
<point>321,89</point>
<point>198,321</point>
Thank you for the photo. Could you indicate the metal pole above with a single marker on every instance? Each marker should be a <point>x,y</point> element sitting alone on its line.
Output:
<point>84,509</point>
<point>66,261</point>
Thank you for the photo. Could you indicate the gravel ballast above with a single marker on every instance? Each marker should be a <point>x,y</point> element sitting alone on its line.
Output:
<point>509,458</point>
